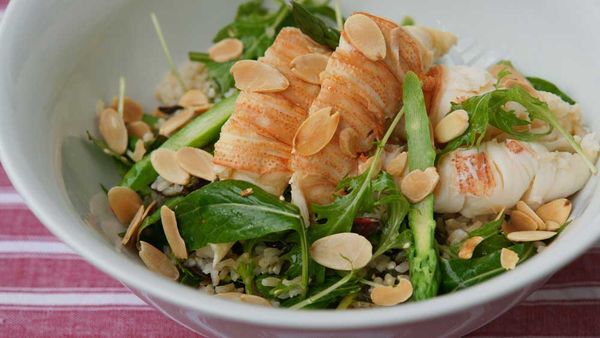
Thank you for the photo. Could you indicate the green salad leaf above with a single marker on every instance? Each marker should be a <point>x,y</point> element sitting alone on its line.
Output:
<point>488,109</point>
<point>458,274</point>
<point>547,86</point>
<point>488,232</point>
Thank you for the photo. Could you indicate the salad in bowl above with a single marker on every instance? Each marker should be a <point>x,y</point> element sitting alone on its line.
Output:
<point>313,161</point>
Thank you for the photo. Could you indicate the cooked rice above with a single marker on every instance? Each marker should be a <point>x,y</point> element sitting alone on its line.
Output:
<point>194,76</point>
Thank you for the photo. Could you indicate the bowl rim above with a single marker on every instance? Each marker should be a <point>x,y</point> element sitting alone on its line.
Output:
<point>136,276</point>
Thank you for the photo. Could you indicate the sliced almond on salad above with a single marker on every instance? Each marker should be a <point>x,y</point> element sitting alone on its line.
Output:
<point>552,226</point>
<point>392,295</point>
<point>124,203</point>
<point>138,129</point>
<point>452,126</point>
<point>164,161</point>
<point>396,166</point>
<point>520,221</point>
<point>316,132</point>
<point>308,67</point>
<point>157,261</point>
<point>194,98</point>
<point>530,236</point>
<point>468,247</point>
<point>138,151</point>
<point>226,50</point>
<point>508,259</point>
<point>134,226</point>
<point>366,36</point>
<point>523,207</point>
<point>176,121</point>
<point>254,76</point>
<point>196,162</point>
<point>365,162</point>
<point>349,142</point>
<point>418,184</point>
<point>113,130</point>
<point>343,251</point>
<point>169,222</point>
<point>132,110</point>
<point>244,298</point>
<point>557,211</point>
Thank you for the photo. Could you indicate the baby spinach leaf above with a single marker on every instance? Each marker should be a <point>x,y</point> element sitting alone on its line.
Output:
<point>547,86</point>
<point>218,213</point>
<point>458,274</point>
<point>314,27</point>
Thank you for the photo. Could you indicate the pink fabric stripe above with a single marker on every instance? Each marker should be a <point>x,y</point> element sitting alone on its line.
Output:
<point>21,223</point>
<point>97,323</point>
<point>52,273</point>
<point>4,181</point>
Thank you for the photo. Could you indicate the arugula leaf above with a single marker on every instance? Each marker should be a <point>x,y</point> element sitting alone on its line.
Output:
<point>329,292</point>
<point>458,274</point>
<point>314,27</point>
<point>492,244</point>
<point>245,268</point>
<point>487,231</point>
<point>408,21</point>
<point>256,27</point>
<point>547,86</point>
<point>103,147</point>
<point>396,207</point>
<point>487,109</point>
<point>188,277</point>
<point>340,214</point>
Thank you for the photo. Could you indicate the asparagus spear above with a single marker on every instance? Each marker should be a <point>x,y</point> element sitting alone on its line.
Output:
<point>198,133</point>
<point>423,258</point>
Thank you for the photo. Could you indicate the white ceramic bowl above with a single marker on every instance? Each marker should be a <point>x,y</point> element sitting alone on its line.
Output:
<point>58,57</point>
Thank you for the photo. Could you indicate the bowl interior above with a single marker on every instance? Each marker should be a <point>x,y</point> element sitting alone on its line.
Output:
<point>60,58</point>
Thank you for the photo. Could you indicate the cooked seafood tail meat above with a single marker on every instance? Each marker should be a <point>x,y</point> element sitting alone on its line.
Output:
<point>363,84</point>
<point>498,175</point>
<point>256,143</point>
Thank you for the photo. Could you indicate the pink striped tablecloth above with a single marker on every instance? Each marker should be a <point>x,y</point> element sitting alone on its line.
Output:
<point>46,290</point>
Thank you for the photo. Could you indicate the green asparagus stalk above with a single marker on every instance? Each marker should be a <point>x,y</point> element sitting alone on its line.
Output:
<point>198,133</point>
<point>423,258</point>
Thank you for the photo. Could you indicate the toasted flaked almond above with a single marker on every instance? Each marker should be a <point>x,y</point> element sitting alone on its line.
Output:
<point>193,98</point>
<point>138,151</point>
<point>176,121</point>
<point>508,259</point>
<point>316,132</point>
<point>452,126</point>
<point>164,161</point>
<point>366,36</point>
<point>134,226</point>
<point>396,166</point>
<point>308,67</point>
<point>138,129</point>
<point>342,251</point>
<point>557,211</point>
<point>157,261</point>
<point>392,295</point>
<point>365,162</point>
<point>169,222</point>
<point>226,50</point>
<point>254,76</point>
<point>196,162</point>
<point>113,130</point>
<point>467,248</point>
<point>552,226</point>
<point>124,203</point>
<point>530,236</point>
<point>132,110</point>
<point>523,207</point>
<point>520,221</point>
<point>242,297</point>
<point>349,142</point>
<point>100,106</point>
<point>418,184</point>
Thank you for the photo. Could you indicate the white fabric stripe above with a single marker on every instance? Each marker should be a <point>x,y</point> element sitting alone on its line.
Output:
<point>68,299</point>
<point>10,196</point>
<point>34,247</point>
<point>575,293</point>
